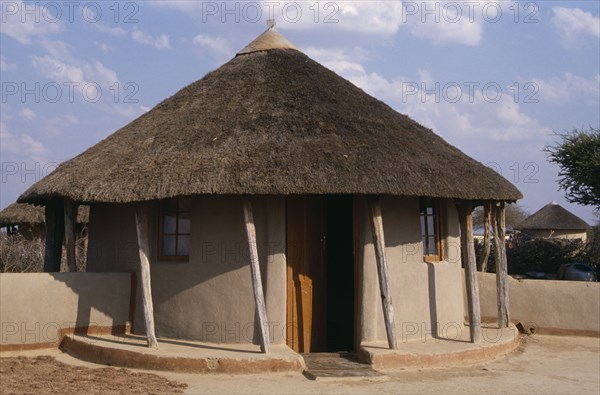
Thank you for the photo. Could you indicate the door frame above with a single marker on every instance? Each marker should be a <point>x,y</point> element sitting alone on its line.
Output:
<point>356,211</point>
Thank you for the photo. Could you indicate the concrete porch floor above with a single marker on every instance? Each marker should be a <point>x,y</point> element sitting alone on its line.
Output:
<point>196,357</point>
<point>181,355</point>
<point>431,352</point>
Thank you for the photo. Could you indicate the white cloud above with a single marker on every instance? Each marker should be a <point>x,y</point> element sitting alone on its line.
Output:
<point>453,22</point>
<point>23,26</point>
<point>374,17</point>
<point>103,47</point>
<point>447,24</point>
<point>188,7</point>
<point>32,146</point>
<point>475,114</point>
<point>23,146</point>
<point>161,42</point>
<point>442,32</point>
<point>216,45</point>
<point>77,77</point>
<point>57,70</point>
<point>27,113</point>
<point>573,23</point>
<point>60,65</point>
<point>569,88</point>
<point>58,49</point>
<point>384,17</point>
<point>5,66</point>
<point>112,31</point>
<point>55,126</point>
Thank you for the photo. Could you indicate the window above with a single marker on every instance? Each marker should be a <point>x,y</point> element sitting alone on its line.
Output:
<point>175,225</point>
<point>430,230</point>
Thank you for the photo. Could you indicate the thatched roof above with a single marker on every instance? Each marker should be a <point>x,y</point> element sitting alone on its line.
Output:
<point>23,213</point>
<point>271,121</point>
<point>553,216</point>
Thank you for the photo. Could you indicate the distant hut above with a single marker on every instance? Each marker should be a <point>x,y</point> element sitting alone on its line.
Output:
<point>28,220</point>
<point>554,222</point>
<point>25,219</point>
<point>273,201</point>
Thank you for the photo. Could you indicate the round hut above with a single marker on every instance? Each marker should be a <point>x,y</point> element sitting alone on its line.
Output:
<point>28,220</point>
<point>554,222</point>
<point>274,202</point>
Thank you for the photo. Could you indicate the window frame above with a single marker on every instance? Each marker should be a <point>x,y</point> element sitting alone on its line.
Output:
<point>437,232</point>
<point>162,234</point>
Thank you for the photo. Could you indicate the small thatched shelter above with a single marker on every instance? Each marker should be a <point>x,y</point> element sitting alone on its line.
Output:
<point>554,222</point>
<point>273,201</point>
<point>28,220</point>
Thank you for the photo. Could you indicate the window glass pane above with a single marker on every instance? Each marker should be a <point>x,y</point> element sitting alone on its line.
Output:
<point>424,239</point>
<point>432,246</point>
<point>430,226</point>
<point>184,223</point>
<point>423,231</point>
<point>169,245</point>
<point>169,223</point>
<point>429,210</point>
<point>183,245</point>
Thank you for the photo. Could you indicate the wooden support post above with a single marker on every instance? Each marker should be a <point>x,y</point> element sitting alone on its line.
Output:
<point>467,248</point>
<point>55,231</point>
<point>487,222</point>
<point>382,270</point>
<point>70,223</point>
<point>501,265</point>
<point>141,222</point>
<point>259,298</point>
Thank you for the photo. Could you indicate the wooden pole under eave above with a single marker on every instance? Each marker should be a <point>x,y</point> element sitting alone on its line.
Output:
<point>55,231</point>
<point>467,248</point>
<point>487,222</point>
<point>382,270</point>
<point>259,298</point>
<point>141,223</point>
<point>501,265</point>
<point>70,223</point>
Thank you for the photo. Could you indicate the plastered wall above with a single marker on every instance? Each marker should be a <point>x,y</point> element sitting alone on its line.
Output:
<point>553,307</point>
<point>35,307</point>
<point>210,297</point>
<point>427,297</point>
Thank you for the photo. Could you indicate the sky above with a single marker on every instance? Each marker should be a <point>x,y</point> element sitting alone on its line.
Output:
<point>496,79</point>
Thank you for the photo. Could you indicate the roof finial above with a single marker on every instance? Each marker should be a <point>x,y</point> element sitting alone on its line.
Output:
<point>270,23</point>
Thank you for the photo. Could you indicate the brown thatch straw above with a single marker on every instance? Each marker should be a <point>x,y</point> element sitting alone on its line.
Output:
<point>23,213</point>
<point>271,121</point>
<point>553,216</point>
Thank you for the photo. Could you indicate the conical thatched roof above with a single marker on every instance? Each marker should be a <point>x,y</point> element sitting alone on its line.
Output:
<point>271,121</point>
<point>553,216</point>
<point>23,213</point>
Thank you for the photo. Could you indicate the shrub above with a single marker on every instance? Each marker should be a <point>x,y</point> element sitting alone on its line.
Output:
<point>19,254</point>
<point>526,254</point>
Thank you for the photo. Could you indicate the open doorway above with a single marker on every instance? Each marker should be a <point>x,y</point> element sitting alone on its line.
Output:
<point>320,273</point>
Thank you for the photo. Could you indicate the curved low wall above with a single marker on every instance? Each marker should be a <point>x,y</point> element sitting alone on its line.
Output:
<point>545,306</point>
<point>38,309</point>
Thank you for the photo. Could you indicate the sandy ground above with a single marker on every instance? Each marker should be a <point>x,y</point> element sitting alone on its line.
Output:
<point>543,365</point>
<point>45,375</point>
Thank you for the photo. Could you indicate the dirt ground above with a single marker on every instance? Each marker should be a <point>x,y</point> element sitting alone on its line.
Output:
<point>45,375</point>
<point>543,365</point>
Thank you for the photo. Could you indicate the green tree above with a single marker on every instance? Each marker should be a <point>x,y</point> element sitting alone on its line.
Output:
<point>578,157</point>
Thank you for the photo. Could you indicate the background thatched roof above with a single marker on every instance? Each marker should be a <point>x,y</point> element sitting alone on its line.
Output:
<point>23,213</point>
<point>271,122</point>
<point>553,216</point>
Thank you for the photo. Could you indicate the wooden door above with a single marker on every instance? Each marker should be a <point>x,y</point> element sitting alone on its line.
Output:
<point>306,275</point>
